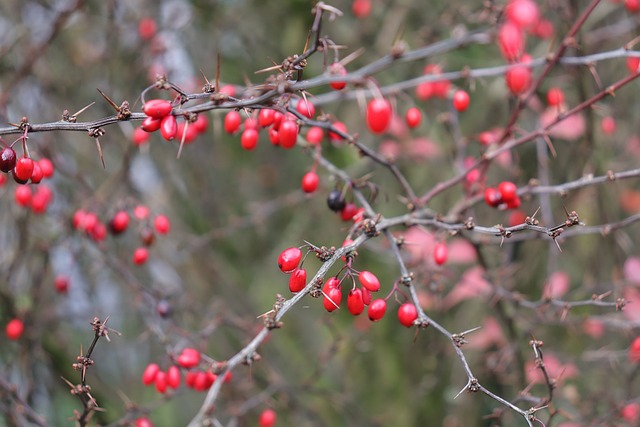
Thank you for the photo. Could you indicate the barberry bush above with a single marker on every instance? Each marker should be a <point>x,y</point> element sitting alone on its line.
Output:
<point>312,213</point>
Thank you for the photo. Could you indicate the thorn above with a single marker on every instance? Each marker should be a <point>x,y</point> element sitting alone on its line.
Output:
<point>471,330</point>
<point>113,104</point>
<point>265,314</point>
<point>557,244</point>
<point>266,70</point>
<point>550,146</point>
<point>327,297</point>
<point>353,55</point>
<point>184,135</point>
<point>204,77</point>
<point>218,61</point>
<point>461,391</point>
<point>100,152</point>
<point>82,110</point>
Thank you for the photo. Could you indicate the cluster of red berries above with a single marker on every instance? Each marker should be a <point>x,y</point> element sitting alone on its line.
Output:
<point>14,329</point>
<point>188,359</point>
<point>90,223</point>
<point>282,128</point>
<point>522,16</point>
<point>438,89</point>
<point>26,170</point>
<point>503,197</point>
<point>289,262</point>
<point>160,117</point>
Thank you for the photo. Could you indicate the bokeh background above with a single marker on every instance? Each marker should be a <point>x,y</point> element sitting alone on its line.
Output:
<point>233,211</point>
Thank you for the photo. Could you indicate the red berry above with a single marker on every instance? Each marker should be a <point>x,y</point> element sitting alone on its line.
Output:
<point>310,182</point>
<point>157,108</point>
<point>147,236</point>
<point>140,136</point>
<point>47,167</point>
<point>150,373</point>
<point>14,329</point>
<point>440,253</point>
<point>413,117</point>
<point>608,125</point>
<point>169,127</point>
<point>98,232</point>
<point>162,224</point>
<point>289,259</point>
<point>201,124</point>
<point>315,135</point>
<point>188,358</point>
<point>141,212</point>
<point>514,203</point>
<point>348,212</point>
<point>228,90</point>
<point>266,117</point>
<point>151,124</point>
<point>232,122</point>
<point>492,196</point>
<point>23,195</point>
<point>61,283</point>
<point>361,8</point>
<point>161,382</point>
<point>251,123</point>
<point>185,132</point>
<point>337,69</point>
<point>143,422</point>
<point>517,218</point>
<point>366,296</point>
<point>39,203</point>
<point>369,281</point>
<point>634,351</point>
<point>555,96</point>
<point>407,314</point>
<point>288,132</point>
<point>249,139</point>
<point>173,377</point>
<point>332,297</point>
<point>631,412</point>
<point>146,29</point>
<point>460,100</point>
<point>334,137</point>
<point>523,13</point>
<point>355,303</point>
<point>487,138</point>
<point>190,378</point>
<point>632,6</point>
<point>140,256</point>
<point>376,310</point>
<point>378,115</point>
<point>511,41</point>
<point>298,280</point>
<point>518,79</point>
<point>278,117</point>
<point>508,191</point>
<point>120,222</point>
<point>228,377</point>
<point>201,381</point>
<point>633,63</point>
<point>36,175</point>
<point>23,168</point>
<point>306,108</point>
<point>210,378</point>
<point>7,159</point>
<point>267,418</point>
<point>274,136</point>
